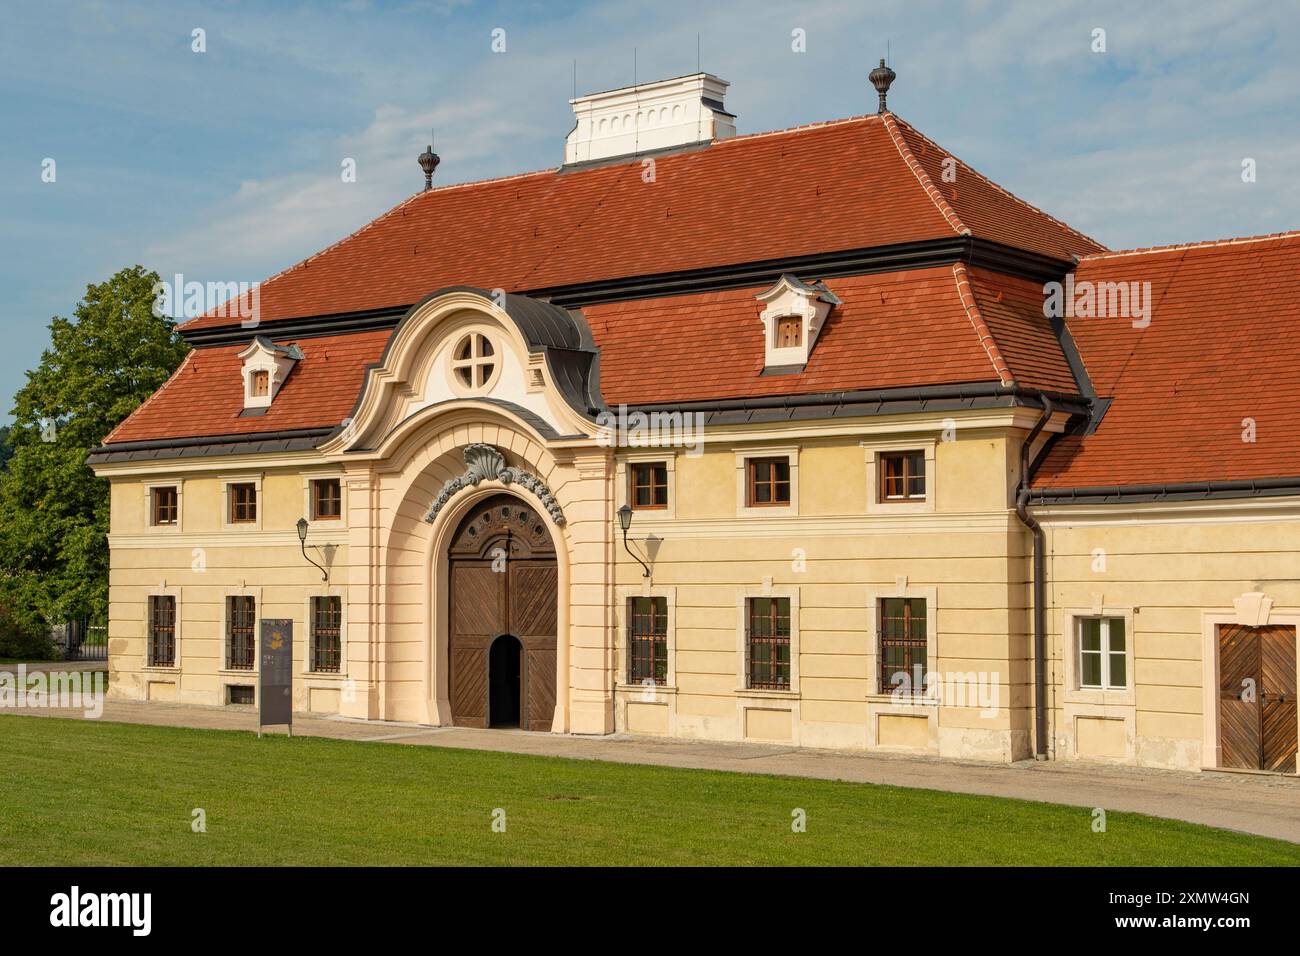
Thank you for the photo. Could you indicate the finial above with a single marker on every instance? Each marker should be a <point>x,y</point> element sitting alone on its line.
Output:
<point>429,162</point>
<point>881,78</point>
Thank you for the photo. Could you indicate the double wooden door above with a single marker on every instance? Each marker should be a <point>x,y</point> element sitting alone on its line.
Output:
<point>1257,698</point>
<point>503,584</point>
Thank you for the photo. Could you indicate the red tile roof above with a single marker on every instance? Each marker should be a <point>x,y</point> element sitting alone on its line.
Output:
<point>846,184</point>
<point>1221,348</point>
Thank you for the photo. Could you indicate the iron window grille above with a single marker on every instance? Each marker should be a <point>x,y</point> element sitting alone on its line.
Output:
<point>903,647</point>
<point>767,644</point>
<point>243,503</point>
<point>326,634</point>
<point>769,481</point>
<point>647,639</point>
<point>649,485</point>
<point>902,476</point>
<point>162,631</point>
<point>165,506</point>
<point>326,499</point>
<point>241,624</point>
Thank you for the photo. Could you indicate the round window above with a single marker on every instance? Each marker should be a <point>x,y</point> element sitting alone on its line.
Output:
<point>474,361</point>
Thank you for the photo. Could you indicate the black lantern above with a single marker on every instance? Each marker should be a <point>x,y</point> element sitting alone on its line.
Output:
<point>302,541</point>
<point>625,522</point>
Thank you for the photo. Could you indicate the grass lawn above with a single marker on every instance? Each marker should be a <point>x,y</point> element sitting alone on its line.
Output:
<point>95,793</point>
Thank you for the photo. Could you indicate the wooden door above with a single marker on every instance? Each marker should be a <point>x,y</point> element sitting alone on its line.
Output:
<point>502,580</point>
<point>1257,698</point>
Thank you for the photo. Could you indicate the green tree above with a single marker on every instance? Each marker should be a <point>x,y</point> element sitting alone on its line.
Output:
<point>99,367</point>
<point>6,450</point>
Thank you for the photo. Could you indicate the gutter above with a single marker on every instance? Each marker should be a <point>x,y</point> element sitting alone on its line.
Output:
<point>1169,491</point>
<point>1039,584</point>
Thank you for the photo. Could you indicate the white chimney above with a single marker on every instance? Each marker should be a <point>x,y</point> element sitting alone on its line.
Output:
<point>658,115</point>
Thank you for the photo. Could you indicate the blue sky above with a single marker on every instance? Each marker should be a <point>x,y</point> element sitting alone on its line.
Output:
<point>225,165</point>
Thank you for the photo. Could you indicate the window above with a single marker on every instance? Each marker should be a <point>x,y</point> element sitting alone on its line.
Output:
<point>647,640</point>
<point>1103,657</point>
<point>767,643</point>
<point>649,485</point>
<point>261,386</point>
<point>326,499</point>
<point>166,509</point>
<point>240,694</point>
<point>243,503</point>
<point>473,362</point>
<point>902,476</point>
<point>326,634</point>
<point>162,631</point>
<point>241,621</point>
<point>769,481</point>
<point>789,332</point>
<point>902,644</point>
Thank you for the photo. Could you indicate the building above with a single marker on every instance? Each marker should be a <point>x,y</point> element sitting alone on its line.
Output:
<point>814,436</point>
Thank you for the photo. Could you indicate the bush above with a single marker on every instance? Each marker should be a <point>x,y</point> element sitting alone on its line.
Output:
<point>23,642</point>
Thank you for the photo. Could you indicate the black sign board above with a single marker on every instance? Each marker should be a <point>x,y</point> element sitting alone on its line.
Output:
<point>275,681</point>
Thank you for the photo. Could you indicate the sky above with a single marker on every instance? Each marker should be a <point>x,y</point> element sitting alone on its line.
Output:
<point>225,164</point>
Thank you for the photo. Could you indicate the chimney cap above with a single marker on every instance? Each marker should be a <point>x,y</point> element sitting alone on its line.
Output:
<point>881,78</point>
<point>429,162</point>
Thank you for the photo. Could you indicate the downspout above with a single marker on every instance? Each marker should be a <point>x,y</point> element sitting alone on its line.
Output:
<point>1040,585</point>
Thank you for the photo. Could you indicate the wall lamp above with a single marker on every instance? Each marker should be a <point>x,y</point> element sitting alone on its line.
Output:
<point>302,540</point>
<point>625,522</point>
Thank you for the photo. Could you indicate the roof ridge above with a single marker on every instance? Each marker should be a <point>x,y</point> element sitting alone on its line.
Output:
<point>148,401</point>
<point>969,303</point>
<point>1180,246</point>
<point>1006,192</point>
<point>914,164</point>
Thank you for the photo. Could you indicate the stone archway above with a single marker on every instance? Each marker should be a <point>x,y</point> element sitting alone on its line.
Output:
<point>502,580</point>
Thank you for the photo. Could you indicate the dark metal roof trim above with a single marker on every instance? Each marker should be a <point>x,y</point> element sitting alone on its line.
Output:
<point>1171,491</point>
<point>301,439</point>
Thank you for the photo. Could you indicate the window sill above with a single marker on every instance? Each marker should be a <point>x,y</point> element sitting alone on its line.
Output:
<point>1101,698</point>
<point>324,675</point>
<point>227,672</point>
<point>767,693</point>
<point>171,670</point>
<point>903,700</point>
<point>647,689</point>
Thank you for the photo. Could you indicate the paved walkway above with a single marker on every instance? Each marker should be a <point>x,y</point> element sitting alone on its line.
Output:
<point>1266,805</point>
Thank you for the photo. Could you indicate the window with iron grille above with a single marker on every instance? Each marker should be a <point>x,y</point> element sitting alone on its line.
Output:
<point>326,634</point>
<point>243,503</point>
<point>165,506</point>
<point>241,624</point>
<point>902,476</point>
<point>326,499</point>
<point>649,485</point>
<point>647,640</point>
<point>162,631</point>
<point>769,481</point>
<point>767,643</point>
<point>903,644</point>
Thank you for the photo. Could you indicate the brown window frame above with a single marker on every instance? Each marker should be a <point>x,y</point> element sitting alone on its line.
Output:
<point>163,513</point>
<point>162,630</point>
<point>786,322</point>
<point>766,670</point>
<point>912,650</point>
<point>326,634</point>
<point>650,485</point>
<point>752,484</point>
<point>242,511</point>
<point>241,632</point>
<point>647,640</point>
<point>317,500</point>
<point>907,461</point>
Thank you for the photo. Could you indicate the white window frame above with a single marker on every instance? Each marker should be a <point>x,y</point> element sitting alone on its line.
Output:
<point>1071,631</point>
<point>149,489</point>
<point>175,594</point>
<point>1105,652</point>
<point>743,507</point>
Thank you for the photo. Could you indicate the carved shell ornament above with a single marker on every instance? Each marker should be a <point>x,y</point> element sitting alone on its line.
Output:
<point>486,463</point>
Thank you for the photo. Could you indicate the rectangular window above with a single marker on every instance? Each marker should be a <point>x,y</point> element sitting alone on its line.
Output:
<point>767,643</point>
<point>647,640</point>
<point>902,476</point>
<point>1103,654</point>
<point>243,503</point>
<point>903,644</point>
<point>165,506</point>
<point>326,634</point>
<point>649,485</point>
<point>240,694</point>
<point>261,384</point>
<point>162,631</point>
<point>241,624</point>
<point>769,481</point>
<point>326,499</point>
<point>789,332</point>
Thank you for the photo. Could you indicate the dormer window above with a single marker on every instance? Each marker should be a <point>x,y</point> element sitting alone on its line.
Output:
<point>793,318</point>
<point>266,367</point>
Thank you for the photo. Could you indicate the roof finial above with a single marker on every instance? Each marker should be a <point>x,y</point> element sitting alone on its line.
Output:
<point>429,162</point>
<point>881,77</point>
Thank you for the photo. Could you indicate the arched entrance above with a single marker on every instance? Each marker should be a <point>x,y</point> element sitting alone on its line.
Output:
<point>502,582</point>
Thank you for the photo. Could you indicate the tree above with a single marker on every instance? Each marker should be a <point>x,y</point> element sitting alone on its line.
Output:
<point>53,510</point>
<point>6,451</point>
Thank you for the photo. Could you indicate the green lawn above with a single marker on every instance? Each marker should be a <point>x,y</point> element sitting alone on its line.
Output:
<point>95,793</point>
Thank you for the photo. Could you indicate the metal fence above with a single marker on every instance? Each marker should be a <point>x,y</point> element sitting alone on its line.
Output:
<point>87,640</point>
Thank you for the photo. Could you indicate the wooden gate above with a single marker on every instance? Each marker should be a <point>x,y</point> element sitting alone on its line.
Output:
<point>502,579</point>
<point>1257,698</point>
